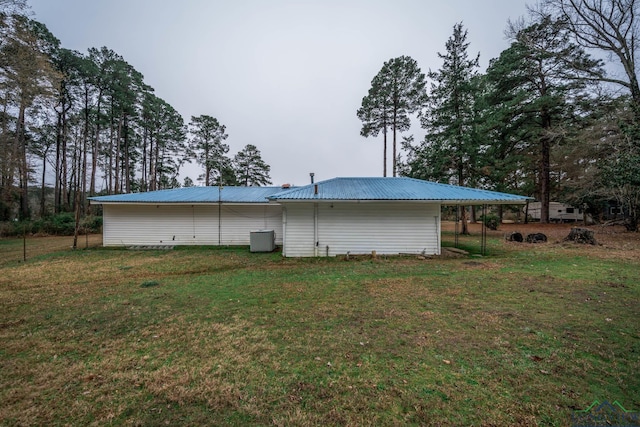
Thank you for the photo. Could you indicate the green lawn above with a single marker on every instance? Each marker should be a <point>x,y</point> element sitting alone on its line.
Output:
<point>209,336</point>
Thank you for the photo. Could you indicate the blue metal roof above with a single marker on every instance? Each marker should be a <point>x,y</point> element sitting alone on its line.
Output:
<point>194,195</point>
<point>394,189</point>
<point>346,189</point>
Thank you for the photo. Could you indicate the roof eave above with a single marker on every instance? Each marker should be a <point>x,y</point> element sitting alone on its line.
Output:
<point>440,201</point>
<point>484,202</point>
<point>266,202</point>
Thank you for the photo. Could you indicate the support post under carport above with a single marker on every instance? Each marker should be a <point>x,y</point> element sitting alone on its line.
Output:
<point>455,233</point>
<point>483,242</point>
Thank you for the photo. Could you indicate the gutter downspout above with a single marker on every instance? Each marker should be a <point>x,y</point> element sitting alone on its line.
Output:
<point>315,222</point>
<point>315,229</point>
<point>284,231</point>
<point>438,233</point>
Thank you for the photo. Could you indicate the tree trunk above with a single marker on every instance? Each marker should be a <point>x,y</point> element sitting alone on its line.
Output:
<point>94,149</point>
<point>7,169</point>
<point>384,152</point>
<point>64,194</point>
<point>73,182</point>
<point>143,163</point>
<point>155,164</point>
<point>42,182</point>
<point>544,178</point>
<point>126,160</point>
<point>207,168</point>
<point>116,180</point>
<point>634,86</point>
<point>85,148</point>
<point>395,114</point>
<point>152,156</point>
<point>463,220</point>
<point>463,209</point>
<point>24,167</point>
<point>109,159</point>
<point>76,203</point>
<point>57,197</point>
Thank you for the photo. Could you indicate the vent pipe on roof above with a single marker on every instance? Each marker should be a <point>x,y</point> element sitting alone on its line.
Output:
<point>312,175</point>
<point>315,189</point>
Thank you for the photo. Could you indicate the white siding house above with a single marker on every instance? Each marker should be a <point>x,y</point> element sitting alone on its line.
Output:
<point>189,216</point>
<point>329,229</point>
<point>162,224</point>
<point>337,216</point>
<point>298,227</point>
<point>362,215</point>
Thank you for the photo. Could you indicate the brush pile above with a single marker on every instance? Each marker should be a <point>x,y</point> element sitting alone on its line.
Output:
<point>581,235</point>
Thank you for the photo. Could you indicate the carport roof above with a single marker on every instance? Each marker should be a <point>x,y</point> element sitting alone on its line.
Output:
<point>398,189</point>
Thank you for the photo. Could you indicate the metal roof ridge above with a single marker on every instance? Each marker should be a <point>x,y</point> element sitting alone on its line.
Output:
<point>377,183</point>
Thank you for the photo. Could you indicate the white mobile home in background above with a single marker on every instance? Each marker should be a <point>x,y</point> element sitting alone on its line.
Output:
<point>558,212</point>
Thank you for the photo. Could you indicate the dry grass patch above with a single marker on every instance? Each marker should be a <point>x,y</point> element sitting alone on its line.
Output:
<point>12,250</point>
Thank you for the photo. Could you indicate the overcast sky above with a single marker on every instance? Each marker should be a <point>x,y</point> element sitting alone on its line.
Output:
<point>286,76</point>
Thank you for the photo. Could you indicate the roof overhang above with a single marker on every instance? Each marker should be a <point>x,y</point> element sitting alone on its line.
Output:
<point>158,203</point>
<point>426,201</point>
<point>336,190</point>
<point>394,190</point>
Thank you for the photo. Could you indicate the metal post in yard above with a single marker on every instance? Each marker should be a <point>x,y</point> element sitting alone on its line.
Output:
<point>455,233</point>
<point>24,241</point>
<point>484,231</point>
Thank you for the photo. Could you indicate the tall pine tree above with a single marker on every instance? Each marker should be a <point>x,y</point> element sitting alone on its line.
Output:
<point>541,78</point>
<point>397,91</point>
<point>449,147</point>
<point>251,170</point>
<point>208,148</point>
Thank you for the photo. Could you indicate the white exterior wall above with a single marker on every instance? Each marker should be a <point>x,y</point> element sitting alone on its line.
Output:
<point>298,227</point>
<point>239,220</point>
<point>359,228</point>
<point>128,224</point>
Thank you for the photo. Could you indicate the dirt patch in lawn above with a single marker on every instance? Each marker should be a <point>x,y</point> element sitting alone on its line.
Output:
<point>613,241</point>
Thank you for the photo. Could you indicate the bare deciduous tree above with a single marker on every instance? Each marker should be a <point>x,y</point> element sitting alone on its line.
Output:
<point>11,7</point>
<point>610,26</point>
